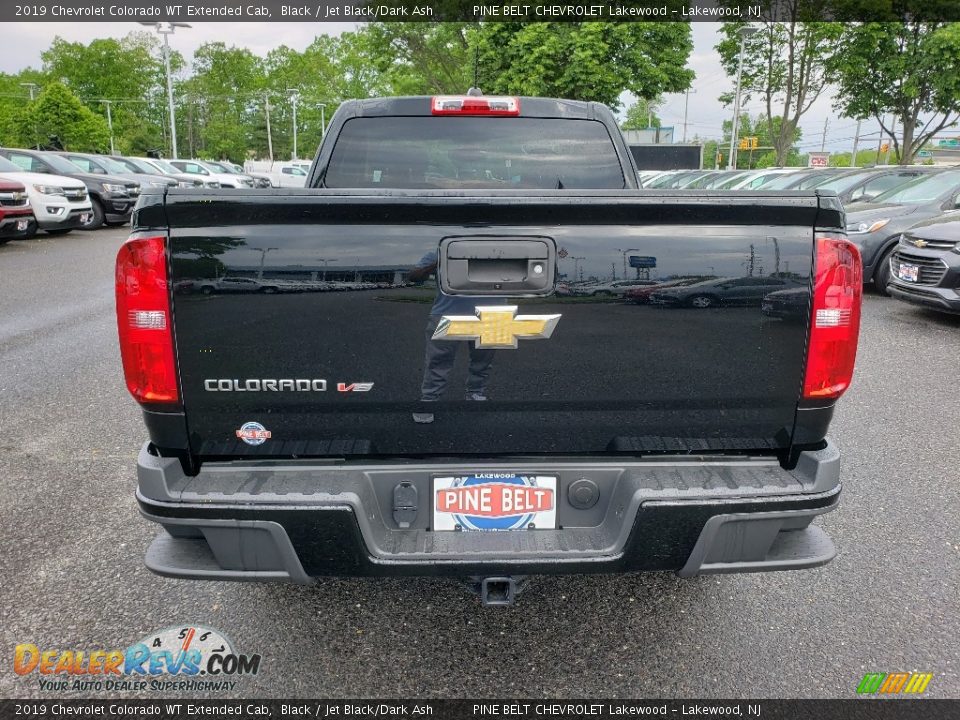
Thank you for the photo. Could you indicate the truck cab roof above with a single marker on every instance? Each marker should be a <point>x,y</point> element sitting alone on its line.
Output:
<point>528,106</point>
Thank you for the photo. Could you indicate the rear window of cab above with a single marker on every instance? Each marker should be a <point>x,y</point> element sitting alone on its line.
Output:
<point>516,153</point>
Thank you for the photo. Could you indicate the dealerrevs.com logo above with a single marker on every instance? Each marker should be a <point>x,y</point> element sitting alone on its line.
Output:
<point>186,658</point>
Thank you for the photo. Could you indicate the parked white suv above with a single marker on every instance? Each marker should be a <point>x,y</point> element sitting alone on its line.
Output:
<point>260,180</point>
<point>167,169</point>
<point>226,180</point>
<point>59,203</point>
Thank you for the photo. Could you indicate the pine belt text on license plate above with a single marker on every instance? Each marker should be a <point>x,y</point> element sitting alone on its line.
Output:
<point>908,272</point>
<point>495,502</point>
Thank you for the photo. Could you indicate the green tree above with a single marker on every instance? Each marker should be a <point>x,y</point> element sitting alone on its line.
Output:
<point>595,61</point>
<point>641,115</point>
<point>766,154</point>
<point>327,72</point>
<point>226,102</point>
<point>14,98</point>
<point>784,64</point>
<point>865,158</point>
<point>127,72</point>
<point>418,58</point>
<point>711,148</point>
<point>57,114</point>
<point>904,70</point>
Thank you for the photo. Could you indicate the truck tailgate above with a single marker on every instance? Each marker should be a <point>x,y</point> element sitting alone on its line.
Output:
<point>293,310</point>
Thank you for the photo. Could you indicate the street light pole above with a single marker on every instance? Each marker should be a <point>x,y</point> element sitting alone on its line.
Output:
<point>628,250</point>
<point>108,103</point>
<point>294,98</point>
<point>326,262</point>
<point>744,32</point>
<point>263,256</point>
<point>166,29</point>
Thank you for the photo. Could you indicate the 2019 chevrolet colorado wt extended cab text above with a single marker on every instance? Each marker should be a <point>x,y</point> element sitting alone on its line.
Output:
<point>312,432</point>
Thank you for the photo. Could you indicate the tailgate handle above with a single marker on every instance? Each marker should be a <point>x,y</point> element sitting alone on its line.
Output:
<point>497,266</point>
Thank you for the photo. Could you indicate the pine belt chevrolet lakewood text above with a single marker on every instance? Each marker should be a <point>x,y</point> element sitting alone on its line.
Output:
<point>374,375</point>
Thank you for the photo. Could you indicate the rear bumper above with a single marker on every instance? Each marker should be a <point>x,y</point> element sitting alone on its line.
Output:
<point>292,522</point>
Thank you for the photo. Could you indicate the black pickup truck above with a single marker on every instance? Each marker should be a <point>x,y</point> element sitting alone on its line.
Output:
<point>325,427</point>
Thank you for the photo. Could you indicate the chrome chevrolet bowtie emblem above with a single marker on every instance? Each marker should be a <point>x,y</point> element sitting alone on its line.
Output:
<point>497,327</point>
<point>918,242</point>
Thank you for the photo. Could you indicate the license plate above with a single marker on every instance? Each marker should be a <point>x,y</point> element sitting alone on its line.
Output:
<point>908,272</point>
<point>85,218</point>
<point>495,502</point>
<point>22,224</point>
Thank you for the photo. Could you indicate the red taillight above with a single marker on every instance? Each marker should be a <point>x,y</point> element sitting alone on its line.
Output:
<point>144,322</point>
<point>474,105</point>
<point>835,322</point>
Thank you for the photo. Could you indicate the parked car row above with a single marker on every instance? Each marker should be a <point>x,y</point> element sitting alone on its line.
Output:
<point>270,285</point>
<point>904,219</point>
<point>57,203</point>
<point>851,184</point>
<point>60,191</point>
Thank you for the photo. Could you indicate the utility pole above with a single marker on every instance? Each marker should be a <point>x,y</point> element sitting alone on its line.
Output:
<point>744,32</point>
<point>576,266</point>
<point>190,129</point>
<point>108,103</point>
<point>823,140</point>
<point>624,252</point>
<point>32,87</point>
<point>893,135</point>
<point>856,144</point>
<point>294,98</point>
<point>879,143</point>
<point>323,120</point>
<point>776,255</point>
<point>170,110</point>
<point>263,256</point>
<point>266,102</point>
<point>686,107</point>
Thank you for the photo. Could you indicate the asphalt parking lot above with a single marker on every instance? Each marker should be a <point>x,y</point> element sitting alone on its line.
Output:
<point>71,573</point>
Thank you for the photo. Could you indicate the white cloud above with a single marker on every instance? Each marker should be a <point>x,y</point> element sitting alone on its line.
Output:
<point>23,43</point>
